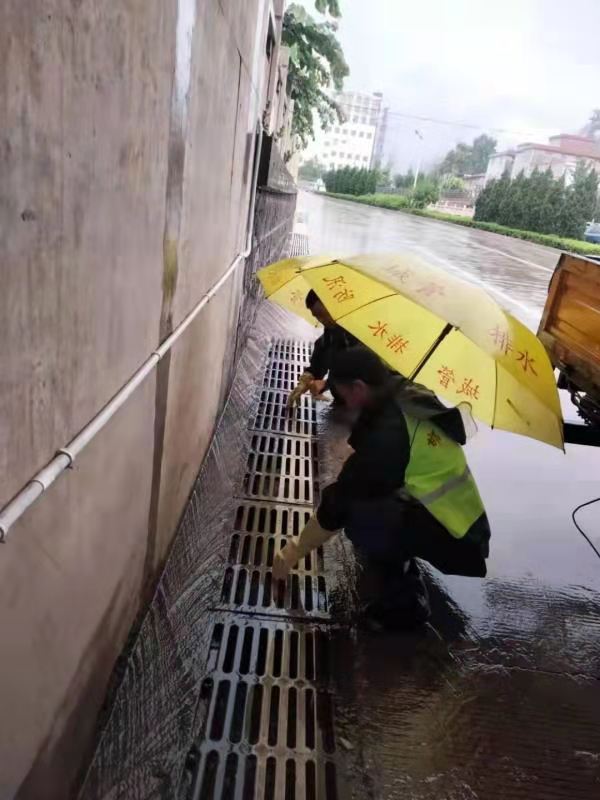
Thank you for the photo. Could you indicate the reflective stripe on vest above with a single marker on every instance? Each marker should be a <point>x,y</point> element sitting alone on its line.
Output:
<point>438,477</point>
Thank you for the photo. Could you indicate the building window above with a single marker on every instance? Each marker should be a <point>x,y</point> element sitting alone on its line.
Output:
<point>353,132</point>
<point>365,158</point>
<point>333,154</point>
<point>355,119</point>
<point>369,135</point>
<point>331,165</point>
<point>336,130</point>
<point>364,120</point>
<point>362,134</point>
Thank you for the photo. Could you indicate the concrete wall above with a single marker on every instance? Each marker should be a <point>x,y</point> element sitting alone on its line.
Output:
<point>126,158</point>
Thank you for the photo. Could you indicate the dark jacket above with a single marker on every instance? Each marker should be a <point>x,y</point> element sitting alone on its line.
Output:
<point>382,449</point>
<point>332,341</point>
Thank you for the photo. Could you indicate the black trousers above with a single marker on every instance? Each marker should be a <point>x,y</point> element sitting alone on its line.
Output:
<point>389,532</point>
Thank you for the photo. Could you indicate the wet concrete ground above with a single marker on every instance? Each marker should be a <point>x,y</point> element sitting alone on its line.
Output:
<point>501,697</point>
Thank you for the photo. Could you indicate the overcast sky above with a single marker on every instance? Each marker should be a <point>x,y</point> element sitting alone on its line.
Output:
<point>528,66</point>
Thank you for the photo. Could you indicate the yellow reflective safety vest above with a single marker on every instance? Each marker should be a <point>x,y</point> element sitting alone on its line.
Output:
<point>439,478</point>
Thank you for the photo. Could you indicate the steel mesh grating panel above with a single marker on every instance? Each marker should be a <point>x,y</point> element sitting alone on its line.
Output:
<point>283,375</point>
<point>282,468</point>
<point>239,776</point>
<point>298,244</point>
<point>273,414</point>
<point>291,350</point>
<point>269,727</point>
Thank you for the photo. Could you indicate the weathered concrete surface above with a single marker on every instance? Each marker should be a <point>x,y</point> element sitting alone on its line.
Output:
<point>126,158</point>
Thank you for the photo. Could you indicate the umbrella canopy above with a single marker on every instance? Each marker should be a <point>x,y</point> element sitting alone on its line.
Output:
<point>427,323</point>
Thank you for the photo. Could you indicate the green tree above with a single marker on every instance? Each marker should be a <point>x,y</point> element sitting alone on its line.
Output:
<point>317,65</point>
<point>311,170</point>
<point>328,6</point>
<point>580,202</point>
<point>467,159</point>
<point>489,201</point>
<point>425,193</point>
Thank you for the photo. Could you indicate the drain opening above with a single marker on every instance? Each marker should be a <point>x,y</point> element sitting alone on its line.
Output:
<point>252,589</point>
<point>275,648</point>
<point>253,517</point>
<point>273,414</point>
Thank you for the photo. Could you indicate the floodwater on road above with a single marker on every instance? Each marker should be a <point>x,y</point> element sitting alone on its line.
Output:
<point>505,701</point>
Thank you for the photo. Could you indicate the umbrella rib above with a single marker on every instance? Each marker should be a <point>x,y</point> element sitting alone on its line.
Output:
<point>447,329</point>
<point>370,303</point>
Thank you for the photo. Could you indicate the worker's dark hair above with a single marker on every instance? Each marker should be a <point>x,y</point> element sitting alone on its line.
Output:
<point>358,363</point>
<point>311,298</point>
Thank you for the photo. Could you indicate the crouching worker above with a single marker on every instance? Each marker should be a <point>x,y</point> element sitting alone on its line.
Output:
<point>406,492</point>
<point>332,341</point>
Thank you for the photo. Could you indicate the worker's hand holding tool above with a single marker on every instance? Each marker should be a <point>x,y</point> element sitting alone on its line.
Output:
<point>311,537</point>
<point>302,386</point>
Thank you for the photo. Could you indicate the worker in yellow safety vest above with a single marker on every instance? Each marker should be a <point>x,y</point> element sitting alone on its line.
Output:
<point>405,493</point>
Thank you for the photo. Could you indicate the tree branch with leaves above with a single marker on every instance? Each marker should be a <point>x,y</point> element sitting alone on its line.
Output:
<point>317,67</point>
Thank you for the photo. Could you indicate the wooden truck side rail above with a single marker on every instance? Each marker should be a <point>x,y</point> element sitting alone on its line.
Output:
<point>570,326</point>
<point>570,332</point>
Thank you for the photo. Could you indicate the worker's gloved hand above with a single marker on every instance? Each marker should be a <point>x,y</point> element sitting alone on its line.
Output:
<point>311,537</point>
<point>303,386</point>
<point>317,387</point>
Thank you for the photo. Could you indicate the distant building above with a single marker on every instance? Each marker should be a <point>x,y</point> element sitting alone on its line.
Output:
<point>474,184</point>
<point>561,154</point>
<point>355,142</point>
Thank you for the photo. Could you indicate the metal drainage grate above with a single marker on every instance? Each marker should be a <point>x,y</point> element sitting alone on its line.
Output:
<point>255,551</point>
<point>291,350</point>
<point>282,468</point>
<point>298,244</point>
<point>260,531</point>
<point>273,414</point>
<point>270,519</point>
<point>252,589</point>
<point>270,726</point>
<point>283,374</point>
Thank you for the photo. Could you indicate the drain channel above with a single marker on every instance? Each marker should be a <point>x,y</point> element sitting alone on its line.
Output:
<point>269,721</point>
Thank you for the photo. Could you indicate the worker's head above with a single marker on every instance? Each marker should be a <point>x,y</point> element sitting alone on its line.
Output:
<point>318,310</point>
<point>358,375</point>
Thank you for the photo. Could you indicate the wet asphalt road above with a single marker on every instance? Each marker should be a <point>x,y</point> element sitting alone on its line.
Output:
<point>502,698</point>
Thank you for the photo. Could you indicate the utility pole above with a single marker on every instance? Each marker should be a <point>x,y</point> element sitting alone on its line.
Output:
<point>421,137</point>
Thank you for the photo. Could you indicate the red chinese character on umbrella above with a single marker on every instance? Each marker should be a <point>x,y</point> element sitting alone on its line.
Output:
<point>446,376</point>
<point>469,389</point>
<point>296,297</point>
<point>331,282</point>
<point>343,294</point>
<point>501,339</point>
<point>398,344</point>
<point>429,289</point>
<point>379,329</point>
<point>527,361</point>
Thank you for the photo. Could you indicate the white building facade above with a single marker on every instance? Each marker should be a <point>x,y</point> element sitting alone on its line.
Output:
<point>351,143</point>
<point>561,155</point>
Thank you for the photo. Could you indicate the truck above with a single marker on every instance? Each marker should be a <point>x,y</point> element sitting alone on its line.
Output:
<point>570,332</point>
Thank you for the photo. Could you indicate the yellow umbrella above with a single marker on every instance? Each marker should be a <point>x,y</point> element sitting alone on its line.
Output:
<point>429,324</point>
